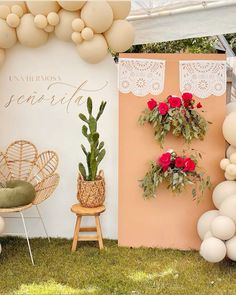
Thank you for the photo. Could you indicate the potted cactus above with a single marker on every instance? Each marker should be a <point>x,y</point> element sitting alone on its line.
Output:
<point>91,184</point>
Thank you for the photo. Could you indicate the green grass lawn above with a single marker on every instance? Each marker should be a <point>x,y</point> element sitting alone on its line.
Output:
<point>111,271</point>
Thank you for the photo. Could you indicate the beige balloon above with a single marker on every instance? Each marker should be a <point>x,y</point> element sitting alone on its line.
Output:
<point>231,248</point>
<point>18,10</point>
<point>204,222</point>
<point>2,56</point>
<point>229,176</point>
<point>93,51</point>
<point>229,128</point>
<point>76,38</point>
<point>64,30</point>
<point>42,7</point>
<point>78,25</point>
<point>120,36</point>
<point>97,15</point>
<point>207,235</point>
<point>49,29</point>
<point>71,5</point>
<point>53,18</point>
<point>223,228</point>
<point>213,250</point>
<point>13,20</point>
<point>40,21</point>
<point>232,158</point>
<point>231,169</point>
<point>28,34</point>
<point>8,35</point>
<point>222,191</point>
<point>228,207</point>
<point>10,4</point>
<point>230,150</point>
<point>224,163</point>
<point>121,9</point>
<point>87,34</point>
<point>4,11</point>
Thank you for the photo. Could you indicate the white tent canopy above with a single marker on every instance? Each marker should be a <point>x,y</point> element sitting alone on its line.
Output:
<point>167,20</point>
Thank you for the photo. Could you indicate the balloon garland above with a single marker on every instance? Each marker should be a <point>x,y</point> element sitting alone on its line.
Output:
<point>94,26</point>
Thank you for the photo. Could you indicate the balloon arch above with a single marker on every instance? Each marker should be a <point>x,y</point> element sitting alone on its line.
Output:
<point>94,26</point>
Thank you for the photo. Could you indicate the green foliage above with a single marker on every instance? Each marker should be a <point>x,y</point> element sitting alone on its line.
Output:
<point>96,152</point>
<point>181,122</point>
<point>175,178</point>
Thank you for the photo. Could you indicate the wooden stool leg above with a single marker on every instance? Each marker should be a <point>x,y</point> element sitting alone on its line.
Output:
<point>76,233</point>
<point>99,232</point>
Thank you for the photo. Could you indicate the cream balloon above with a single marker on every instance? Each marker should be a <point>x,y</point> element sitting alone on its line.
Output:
<point>40,21</point>
<point>2,224</point>
<point>13,20</point>
<point>49,29</point>
<point>97,15</point>
<point>10,4</point>
<point>53,19</point>
<point>71,5</point>
<point>78,25</point>
<point>232,158</point>
<point>231,248</point>
<point>230,150</point>
<point>93,51</point>
<point>18,10</point>
<point>228,207</point>
<point>207,235</point>
<point>222,191</point>
<point>230,107</point>
<point>204,222</point>
<point>8,35</point>
<point>42,7</point>
<point>231,169</point>
<point>4,11</point>
<point>229,128</point>
<point>64,30</point>
<point>223,228</point>
<point>213,250</point>
<point>2,56</point>
<point>76,38</point>
<point>121,9</point>
<point>28,34</point>
<point>120,36</point>
<point>87,34</point>
<point>229,176</point>
<point>224,163</point>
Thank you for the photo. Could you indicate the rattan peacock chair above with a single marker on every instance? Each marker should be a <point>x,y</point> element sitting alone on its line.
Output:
<point>22,161</point>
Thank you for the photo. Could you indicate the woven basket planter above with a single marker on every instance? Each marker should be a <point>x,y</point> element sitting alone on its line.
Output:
<point>91,193</point>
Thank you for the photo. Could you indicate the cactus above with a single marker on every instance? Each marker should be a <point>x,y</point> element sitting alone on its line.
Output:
<point>97,152</point>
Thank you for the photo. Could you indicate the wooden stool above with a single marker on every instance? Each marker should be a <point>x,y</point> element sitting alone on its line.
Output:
<point>80,212</point>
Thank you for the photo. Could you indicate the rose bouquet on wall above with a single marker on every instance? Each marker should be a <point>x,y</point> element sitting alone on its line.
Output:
<point>177,172</point>
<point>180,116</point>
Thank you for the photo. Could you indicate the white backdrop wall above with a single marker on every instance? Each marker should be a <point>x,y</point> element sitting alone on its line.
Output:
<point>41,93</point>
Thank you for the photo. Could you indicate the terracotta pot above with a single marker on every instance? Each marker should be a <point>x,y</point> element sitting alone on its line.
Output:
<point>91,193</point>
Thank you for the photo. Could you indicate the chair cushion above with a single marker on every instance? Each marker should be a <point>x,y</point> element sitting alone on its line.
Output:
<point>16,193</point>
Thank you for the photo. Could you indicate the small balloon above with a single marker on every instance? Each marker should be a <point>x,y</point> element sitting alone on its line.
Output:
<point>53,18</point>
<point>17,9</point>
<point>40,21</point>
<point>13,20</point>
<point>76,38</point>
<point>49,29</point>
<point>87,34</point>
<point>4,11</point>
<point>78,25</point>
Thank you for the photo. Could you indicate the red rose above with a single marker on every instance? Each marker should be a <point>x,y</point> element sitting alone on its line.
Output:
<point>187,96</point>
<point>165,160</point>
<point>174,101</point>
<point>199,105</point>
<point>163,108</point>
<point>189,165</point>
<point>179,162</point>
<point>151,104</point>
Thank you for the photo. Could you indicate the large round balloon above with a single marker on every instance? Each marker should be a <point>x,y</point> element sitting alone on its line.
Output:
<point>231,248</point>
<point>120,9</point>
<point>120,36</point>
<point>223,228</point>
<point>7,35</point>
<point>93,51</point>
<point>28,34</point>
<point>2,224</point>
<point>228,207</point>
<point>222,191</point>
<point>229,128</point>
<point>204,222</point>
<point>230,150</point>
<point>64,29</point>
<point>71,5</point>
<point>42,7</point>
<point>2,56</point>
<point>213,250</point>
<point>97,15</point>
